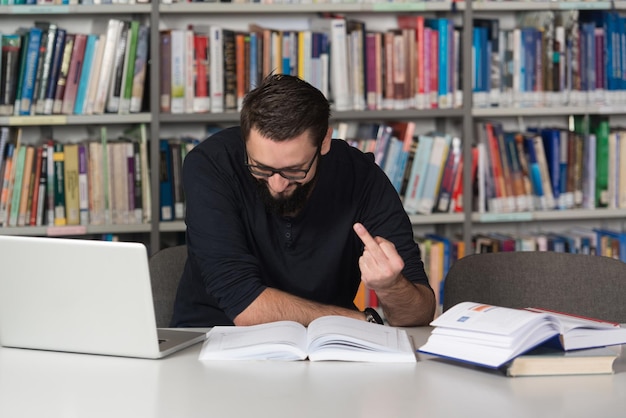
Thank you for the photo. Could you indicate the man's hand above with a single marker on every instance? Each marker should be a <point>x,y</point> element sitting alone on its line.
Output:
<point>380,263</point>
<point>405,304</point>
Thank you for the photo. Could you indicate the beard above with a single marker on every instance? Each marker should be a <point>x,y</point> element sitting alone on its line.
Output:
<point>287,205</point>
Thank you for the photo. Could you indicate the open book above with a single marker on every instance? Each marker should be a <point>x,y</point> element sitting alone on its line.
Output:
<point>492,336</point>
<point>326,338</point>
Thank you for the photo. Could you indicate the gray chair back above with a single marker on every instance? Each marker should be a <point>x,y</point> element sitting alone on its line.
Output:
<point>580,284</point>
<point>166,268</point>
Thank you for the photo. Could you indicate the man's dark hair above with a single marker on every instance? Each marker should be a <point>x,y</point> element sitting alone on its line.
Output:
<point>283,107</point>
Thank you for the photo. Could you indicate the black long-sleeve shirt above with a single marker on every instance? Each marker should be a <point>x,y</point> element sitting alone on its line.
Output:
<point>237,249</point>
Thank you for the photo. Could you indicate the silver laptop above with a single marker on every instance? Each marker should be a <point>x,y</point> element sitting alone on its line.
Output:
<point>81,296</point>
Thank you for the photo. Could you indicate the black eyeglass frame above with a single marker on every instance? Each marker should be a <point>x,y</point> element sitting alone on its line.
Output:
<point>289,174</point>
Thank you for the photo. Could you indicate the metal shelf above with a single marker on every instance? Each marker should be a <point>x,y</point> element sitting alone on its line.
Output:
<point>347,7</point>
<point>76,9</point>
<point>78,230</point>
<point>46,120</point>
<point>229,117</point>
<point>549,216</point>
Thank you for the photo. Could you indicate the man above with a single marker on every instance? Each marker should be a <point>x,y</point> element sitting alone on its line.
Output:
<point>276,219</point>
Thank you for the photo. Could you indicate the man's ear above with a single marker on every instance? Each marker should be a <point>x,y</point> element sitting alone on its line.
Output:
<point>326,142</point>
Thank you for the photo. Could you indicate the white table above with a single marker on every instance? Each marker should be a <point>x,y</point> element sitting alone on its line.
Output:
<point>49,385</point>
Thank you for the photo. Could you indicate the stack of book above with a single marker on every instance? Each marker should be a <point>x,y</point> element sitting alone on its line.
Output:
<point>524,341</point>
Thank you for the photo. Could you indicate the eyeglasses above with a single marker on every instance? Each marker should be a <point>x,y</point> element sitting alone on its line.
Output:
<point>288,173</point>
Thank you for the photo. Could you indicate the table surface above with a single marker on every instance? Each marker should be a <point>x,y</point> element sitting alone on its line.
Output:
<point>51,384</point>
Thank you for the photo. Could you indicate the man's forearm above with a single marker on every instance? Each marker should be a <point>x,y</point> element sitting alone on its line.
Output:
<point>406,304</point>
<point>275,305</point>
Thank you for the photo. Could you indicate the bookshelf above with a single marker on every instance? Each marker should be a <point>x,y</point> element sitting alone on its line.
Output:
<point>177,15</point>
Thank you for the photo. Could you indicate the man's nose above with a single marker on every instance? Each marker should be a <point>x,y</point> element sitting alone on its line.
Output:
<point>277,183</point>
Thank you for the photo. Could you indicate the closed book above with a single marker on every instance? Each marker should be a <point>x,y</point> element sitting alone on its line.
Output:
<point>107,66</point>
<point>177,65</point>
<point>201,100</point>
<point>30,70</point>
<point>546,361</point>
<point>139,70</point>
<point>83,183</point>
<point>73,74</point>
<point>117,69</point>
<point>70,176</point>
<point>46,64</point>
<point>165,184</point>
<point>7,180</point>
<point>165,83</point>
<point>96,184</point>
<point>94,76</point>
<point>39,203</point>
<point>16,194</point>
<point>9,70</point>
<point>59,93</point>
<point>55,69</point>
<point>128,73</point>
<point>230,70</point>
<point>60,218</point>
<point>27,178</point>
<point>85,72</point>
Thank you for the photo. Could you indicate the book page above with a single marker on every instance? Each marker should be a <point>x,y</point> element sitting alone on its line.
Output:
<point>282,340</point>
<point>348,329</point>
<point>347,339</point>
<point>569,321</point>
<point>472,316</point>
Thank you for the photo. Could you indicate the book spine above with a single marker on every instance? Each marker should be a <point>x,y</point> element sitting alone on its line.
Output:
<point>129,68</point>
<point>32,58</point>
<point>166,71</point>
<point>70,183</point>
<point>83,83</point>
<point>46,68</point>
<point>42,183</point>
<point>17,186</point>
<point>55,69</point>
<point>7,181</point>
<point>139,74</point>
<point>104,82</point>
<point>167,199</point>
<point>60,218</point>
<point>83,184</point>
<point>112,98</point>
<point>177,99</point>
<point>216,50</point>
<point>26,193</point>
<point>51,183</point>
<point>59,93</point>
<point>10,67</point>
<point>230,70</point>
<point>190,71</point>
<point>73,75</point>
<point>137,197</point>
<point>202,100</point>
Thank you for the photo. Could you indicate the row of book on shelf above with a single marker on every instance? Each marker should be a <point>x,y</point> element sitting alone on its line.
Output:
<point>536,170</point>
<point>551,58</point>
<point>46,70</point>
<point>92,182</point>
<point>542,169</point>
<point>211,68</point>
<point>440,252</point>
